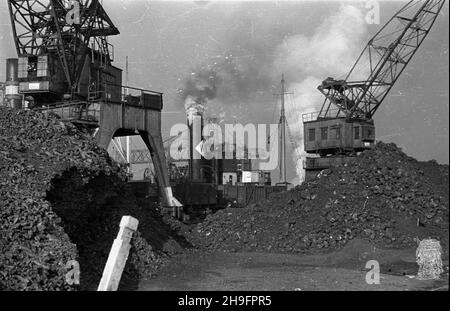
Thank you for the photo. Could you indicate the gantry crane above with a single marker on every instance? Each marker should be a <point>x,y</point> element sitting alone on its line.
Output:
<point>344,125</point>
<point>64,67</point>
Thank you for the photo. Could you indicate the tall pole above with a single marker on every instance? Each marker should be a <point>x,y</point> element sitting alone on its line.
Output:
<point>126,76</point>
<point>283,134</point>
<point>127,137</point>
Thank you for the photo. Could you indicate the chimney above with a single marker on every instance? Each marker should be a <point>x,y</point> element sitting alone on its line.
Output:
<point>12,97</point>
<point>195,124</point>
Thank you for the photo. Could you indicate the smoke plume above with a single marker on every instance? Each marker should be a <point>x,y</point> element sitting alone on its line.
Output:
<point>251,65</point>
<point>307,61</point>
<point>238,66</point>
<point>226,84</point>
<point>200,87</point>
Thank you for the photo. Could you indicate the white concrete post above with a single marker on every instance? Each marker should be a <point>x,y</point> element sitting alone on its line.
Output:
<point>118,255</point>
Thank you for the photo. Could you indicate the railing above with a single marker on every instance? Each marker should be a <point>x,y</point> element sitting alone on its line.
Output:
<point>88,111</point>
<point>128,91</point>
<point>311,116</point>
<point>80,111</point>
<point>331,113</point>
<point>134,96</point>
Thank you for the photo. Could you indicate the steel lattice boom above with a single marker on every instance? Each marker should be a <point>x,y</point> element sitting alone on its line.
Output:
<point>380,64</point>
<point>41,26</point>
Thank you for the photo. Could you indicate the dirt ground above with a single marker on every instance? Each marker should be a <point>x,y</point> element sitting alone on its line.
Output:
<point>342,270</point>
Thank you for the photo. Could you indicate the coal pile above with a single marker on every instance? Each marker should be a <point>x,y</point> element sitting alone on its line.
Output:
<point>384,197</point>
<point>91,215</point>
<point>61,199</point>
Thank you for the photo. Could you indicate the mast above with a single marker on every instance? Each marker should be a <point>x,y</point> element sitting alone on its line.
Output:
<point>127,137</point>
<point>126,75</point>
<point>283,133</point>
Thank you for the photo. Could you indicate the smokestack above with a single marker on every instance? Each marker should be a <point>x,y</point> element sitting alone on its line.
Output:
<point>195,124</point>
<point>12,96</point>
<point>12,66</point>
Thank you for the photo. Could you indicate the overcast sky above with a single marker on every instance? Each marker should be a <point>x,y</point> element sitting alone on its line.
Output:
<point>166,41</point>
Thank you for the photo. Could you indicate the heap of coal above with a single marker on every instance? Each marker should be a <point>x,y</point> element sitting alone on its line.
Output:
<point>383,196</point>
<point>61,199</point>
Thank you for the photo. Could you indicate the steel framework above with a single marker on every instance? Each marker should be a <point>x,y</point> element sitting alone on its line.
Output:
<point>44,26</point>
<point>380,64</point>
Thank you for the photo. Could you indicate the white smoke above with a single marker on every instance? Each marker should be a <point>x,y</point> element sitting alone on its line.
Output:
<point>307,61</point>
<point>192,107</point>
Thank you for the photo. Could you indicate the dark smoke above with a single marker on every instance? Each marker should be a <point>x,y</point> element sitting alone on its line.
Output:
<point>241,73</point>
<point>201,86</point>
<point>227,84</point>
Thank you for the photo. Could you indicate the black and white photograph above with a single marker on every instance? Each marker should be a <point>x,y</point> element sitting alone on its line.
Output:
<point>224,154</point>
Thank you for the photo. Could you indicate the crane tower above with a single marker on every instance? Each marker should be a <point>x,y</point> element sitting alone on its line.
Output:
<point>65,68</point>
<point>63,52</point>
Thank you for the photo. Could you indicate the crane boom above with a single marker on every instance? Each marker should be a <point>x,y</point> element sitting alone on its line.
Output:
<point>380,64</point>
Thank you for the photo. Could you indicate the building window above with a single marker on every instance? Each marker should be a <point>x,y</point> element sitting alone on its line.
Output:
<point>324,133</point>
<point>338,133</point>
<point>23,67</point>
<point>312,134</point>
<point>368,132</point>
<point>32,66</point>
<point>356,132</point>
<point>42,66</point>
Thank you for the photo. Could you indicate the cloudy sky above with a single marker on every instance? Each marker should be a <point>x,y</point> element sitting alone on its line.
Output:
<point>249,45</point>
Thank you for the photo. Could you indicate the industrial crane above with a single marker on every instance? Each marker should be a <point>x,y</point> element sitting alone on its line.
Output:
<point>344,125</point>
<point>62,47</point>
<point>65,67</point>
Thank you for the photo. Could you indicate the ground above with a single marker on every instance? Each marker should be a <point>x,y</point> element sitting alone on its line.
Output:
<point>342,270</point>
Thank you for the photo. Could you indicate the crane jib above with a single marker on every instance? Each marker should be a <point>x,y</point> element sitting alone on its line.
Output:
<point>385,56</point>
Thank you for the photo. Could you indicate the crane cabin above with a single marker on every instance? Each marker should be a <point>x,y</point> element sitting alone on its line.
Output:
<point>42,79</point>
<point>335,136</point>
<point>332,142</point>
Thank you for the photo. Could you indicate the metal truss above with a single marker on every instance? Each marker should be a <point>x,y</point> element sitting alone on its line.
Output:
<point>41,26</point>
<point>380,64</point>
<point>140,156</point>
